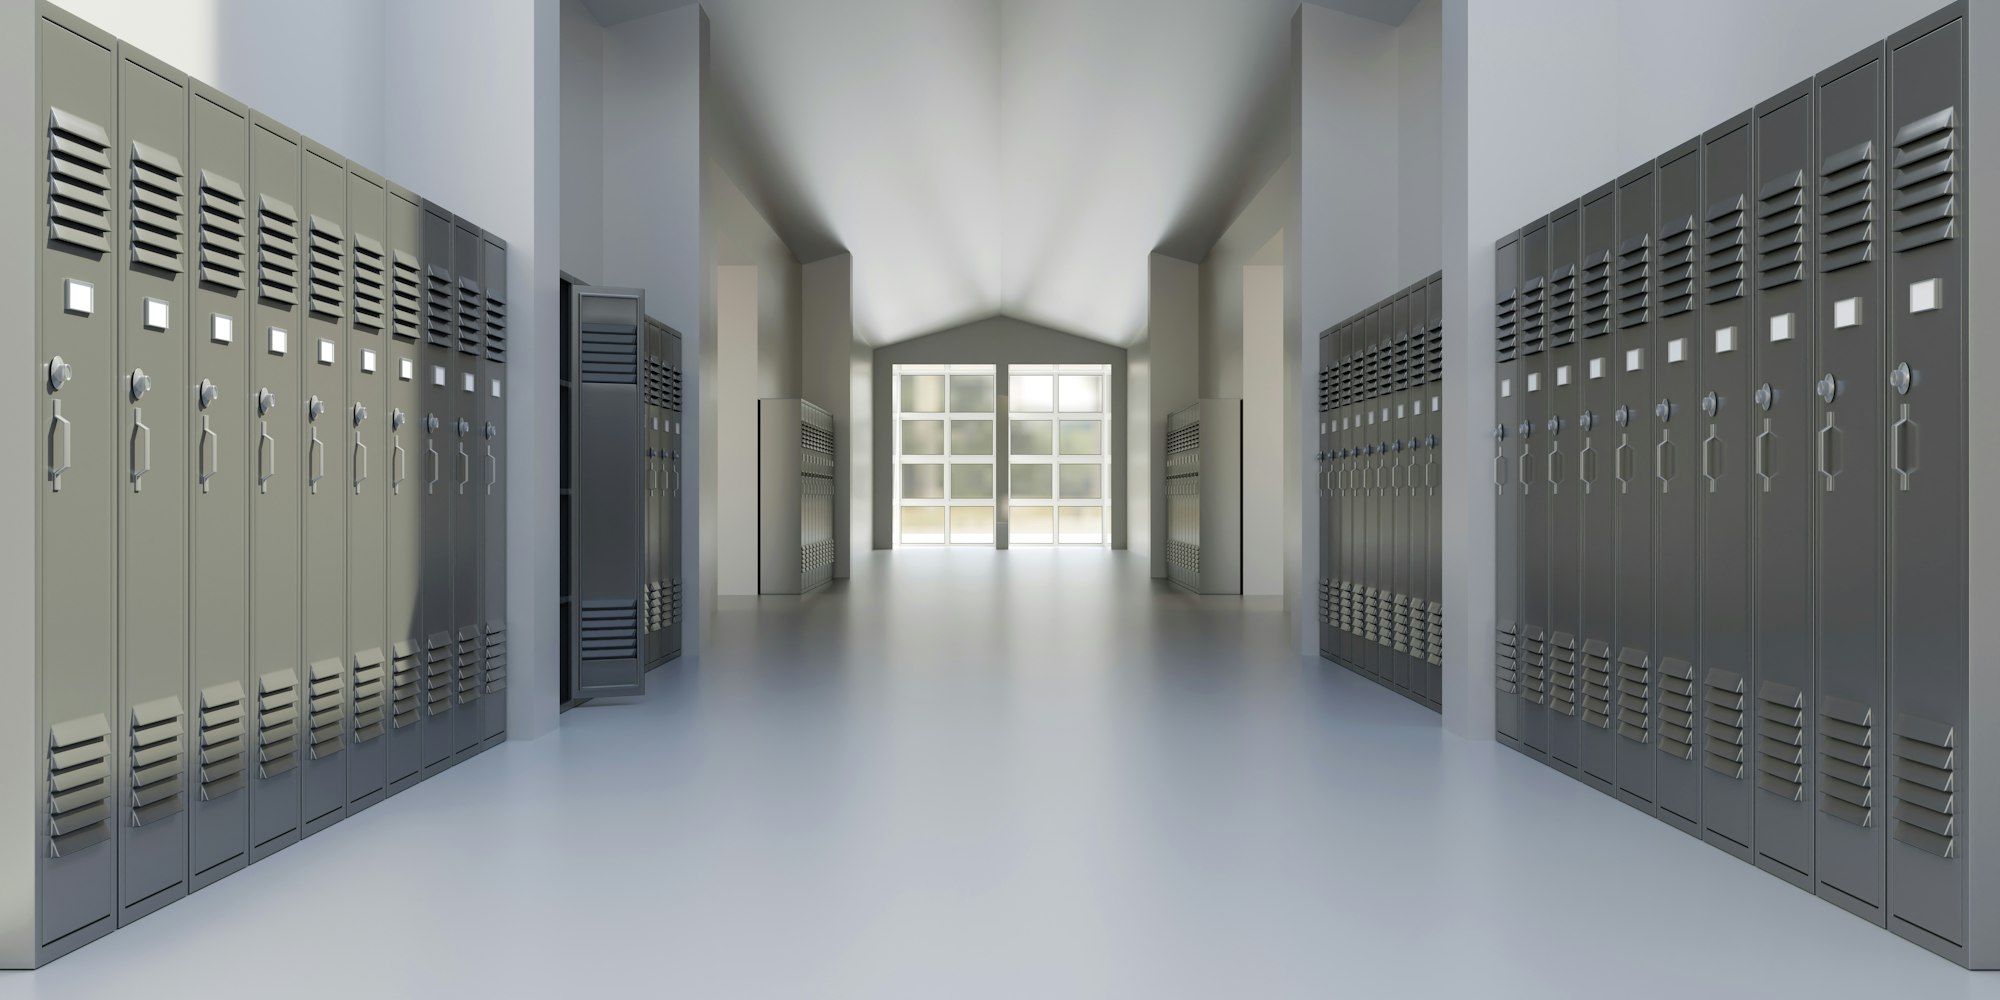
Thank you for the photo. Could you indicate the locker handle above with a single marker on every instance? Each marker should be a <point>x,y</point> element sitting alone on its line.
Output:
<point>1711,457</point>
<point>267,455</point>
<point>465,467</point>
<point>1395,474</point>
<point>1553,468</point>
<point>1622,463</point>
<point>675,468</point>
<point>396,462</point>
<point>1663,461</point>
<point>437,464</point>
<point>58,424</point>
<point>1903,428</point>
<point>1764,456</point>
<point>1430,472</point>
<point>315,460</point>
<point>209,458</point>
<point>492,470</point>
<point>1829,438</point>
<point>1522,468</point>
<point>1499,470</point>
<point>1586,465</point>
<point>360,466</point>
<point>142,449</point>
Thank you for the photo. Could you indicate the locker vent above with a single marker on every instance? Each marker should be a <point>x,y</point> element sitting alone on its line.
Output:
<point>1847,208</point>
<point>1503,325</point>
<point>1781,230</point>
<point>158,767</point>
<point>469,642</point>
<point>1597,294</point>
<point>1677,266</point>
<point>329,709</point>
<point>609,353</point>
<point>79,182</point>
<point>277,723</point>
<point>1597,683</point>
<point>674,602</point>
<point>1781,740</point>
<point>1725,697</point>
<point>1924,764</point>
<point>224,214</point>
<point>1635,273</point>
<point>407,305</point>
<point>1676,707</point>
<point>1506,664</point>
<point>1925,202</point>
<point>656,390</point>
<point>471,318</point>
<point>327,280</point>
<point>79,785</point>
<point>371,285</point>
<point>437,674</point>
<point>496,327</point>
<point>370,694</point>
<point>1436,645</point>
<point>277,251</point>
<point>1433,355</point>
<point>1722,250</point>
<point>1562,306</point>
<point>1396,632</point>
<point>496,657</point>
<point>406,684</point>
<point>1325,390</point>
<point>610,630</point>
<point>159,212</point>
<point>1532,659</point>
<point>1562,673</point>
<point>224,732</point>
<point>440,315</point>
<point>656,606</point>
<point>1847,761</point>
<point>1635,694</point>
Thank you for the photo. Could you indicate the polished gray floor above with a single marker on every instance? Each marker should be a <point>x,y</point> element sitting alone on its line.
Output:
<point>1025,775</point>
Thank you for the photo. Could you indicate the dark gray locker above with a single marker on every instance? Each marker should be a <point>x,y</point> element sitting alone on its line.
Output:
<point>607,572</point>
<point>327,436</point>
<point>493,494</point>
<point>1781,462</point>
<point>1848,845</point>
<point>1434,486</point>
<point>1506,503</point>
<point>1411,624</point>
<point>405,467</point>
<point>677,481</point>
<point>1373,458</point>
<point>1597,492</point>
<point>1382,432</point>
<point>1926,422</point>
<point>1531,347</point>
<point>1323,491</point>
<point>468,500</point>
<point>275,466</point>
<point>1676,569</point>
<point>77,507</point>
<point>1633,706</point>
<point>437,367</point>
<point>1562,393</point>
<point>367,408</point>
<point>1345,466</point>
<point>219,343</point>
<point>1396,524</point>
<point>1722,464</point>
<point>654,395</point>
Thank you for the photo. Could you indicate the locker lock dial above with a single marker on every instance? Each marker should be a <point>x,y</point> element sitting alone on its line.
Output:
<point>1587,421</point>
<point>1527,429</point>
<point>207,393</point>
<point>430,423</point>
<point>1555,425</point>
<point>360,414</point>
<point>464,426</point>
<point>396,419</point>
<point>1828,388</point>
<point>1900,378</point>
<point>1499,432</point>
<point>265,401</point>
<point>315,408</point>
<point>1765,397</point>
<point>59,373</point>
<point>1711,403</point>
<point>142,383</point>
<point>1624,416</point>
<point>491,431</point>
<point>1664,410</point>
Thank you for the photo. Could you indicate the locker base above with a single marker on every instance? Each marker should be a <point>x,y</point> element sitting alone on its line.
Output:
<point>1679,822</point>
<point>217,872</point>
<point>493,741</point>
<point>1727,845</point>
<point>321,822</point>
<point>154,903</point>
<point>1853,904</point>
<point>1926,940</point>
<point>259,852</point>
<point>372,798</point>
<point>75,939</point>
<point>405,783</point>
<point>1386,682</point>
<point>1797,878</point>
<point>1636,801</point>
<point>1601,784</point>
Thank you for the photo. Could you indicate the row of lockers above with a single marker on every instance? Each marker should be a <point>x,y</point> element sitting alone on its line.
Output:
<point>1381,496</point>
<point>1204,495</point>
<point>1730,463</point>
<point>795,480</point>
<point>270,528</point>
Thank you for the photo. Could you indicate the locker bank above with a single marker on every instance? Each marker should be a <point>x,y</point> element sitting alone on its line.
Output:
<point>1000,498</point>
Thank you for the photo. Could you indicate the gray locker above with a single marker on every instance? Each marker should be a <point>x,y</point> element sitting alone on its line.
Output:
<point>676,480</point>
<point>404,468</point>
<point>1204,491</point>
<point>663,486</point>
<point>1634,713</point>
<point>467,500</point>
<point>219,343</point>
<point>1396,533</point>
<point>1434,487</point>
<point>1531,350</point>
<point>1346,492</point>
<point>1595,441</point>
<point>1847,430</point>
<point>1507,504</point>
<point>492,487</point>
<point>607,572</point>
<point>276,472</point>
<point>1781,459</point>
<point>323,447</point>
<point>1676,568</point>
<point>1323,493</point>
<point>795,456</point>
<point>1562,392</point>
<point>366,406</point>
<point>76,512</point>
<point>1727,674</point>
<point>437,366</point>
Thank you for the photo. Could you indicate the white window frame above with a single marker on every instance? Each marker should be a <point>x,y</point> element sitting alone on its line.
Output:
<point>949,460</point>
<point>1056,415</point>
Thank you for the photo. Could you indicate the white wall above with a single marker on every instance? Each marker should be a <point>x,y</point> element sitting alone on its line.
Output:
<point>1220,301</point>
<point>1264,531</point>
<point>826,350</point>
<point>582,143</point>
<point>1419,144</point>
<point>737,312</point>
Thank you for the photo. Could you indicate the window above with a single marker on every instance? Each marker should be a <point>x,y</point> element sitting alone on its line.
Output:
<point>1059,421</point>
<point>945,483</point>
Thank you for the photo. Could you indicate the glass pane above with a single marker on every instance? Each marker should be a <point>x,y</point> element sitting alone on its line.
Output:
<point>923,525</point>
<point>972,437</point>
<point>1030,482</point>
<point>925,482</point>
<point>923,437</point>
<point>972,394</point>
<point>1081,525</point>
<point>1082,482</point>
<point>1030,525</point>
<point>1032,393</point>
<point>971,525</point>
<point>972,482</point>
<point>1082,393</point>
<point>1033,437</point>
<point>923,394</point>
<point>1079,437</point>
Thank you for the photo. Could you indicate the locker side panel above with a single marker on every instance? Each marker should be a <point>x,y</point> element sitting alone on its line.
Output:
<point>676,405</point>
<point>1532,306</point>
<point>405,468</point>
<point>438,437</point>
<point>1434,445</point>
<point>493,568</point>
<point>1676,513</point>
<point>1562,392</point>
<point>367,488</point>
<point>467,499</point>
<point>1634,684</point>
<point>325,444</point>
<point>607,570</point>
<point>1322,491</point>
<point>1506,503</point>
<point>1595,434</point>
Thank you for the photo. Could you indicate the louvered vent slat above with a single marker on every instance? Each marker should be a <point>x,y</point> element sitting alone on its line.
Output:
<point>1924,764</point>
<point>1781,741</point>
<point>277,723</point>
<point>1781,230</point>
<point>1533,653</point>
<point>1597,695</point>
<point>1723,256</point>
<point>326,251</point>
<point>1504,331</point>
<point>438,674</point>
<point>225,740</point>
<point>1562,306</point>
<point>1847,761</point>
<point>609,353</point>
<point>440,308</point>
<point>469,664</point>
<point>471,318</point>
<point>277,251</point>
<point>1635,694</point>
<point>1597,294</point>
<point>496,328</point>
<point>1635,274</point>
<point>1677,708</point>
<point>79,783</point>
<point>1563,680</point>
<point>1723,746</point>
<point>371,694</point>
<point>610,630</point>
<point>159,212</point>
<point>224,231</point>
<point>328,706</point>
<point>1924,205</point>
<point>371,285</point>
<point>496,657</point>
<point>406,316</point>
<point>1436,656</point>
<point>1847,207</point>
<point>405,684</point>
<point>1677,266</point>
<point>1434,352</point>
<point>157,763</point>
<point>79,182</point>
<point>1507,661</point>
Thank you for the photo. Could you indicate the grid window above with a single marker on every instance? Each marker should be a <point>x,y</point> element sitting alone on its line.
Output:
<point>944,445</point>
<point>1058,416</point>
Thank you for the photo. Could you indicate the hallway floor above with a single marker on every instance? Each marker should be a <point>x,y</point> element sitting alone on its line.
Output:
<point>1027,775</point>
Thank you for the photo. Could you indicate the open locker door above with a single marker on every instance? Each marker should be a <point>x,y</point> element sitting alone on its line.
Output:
<point>608,561</point>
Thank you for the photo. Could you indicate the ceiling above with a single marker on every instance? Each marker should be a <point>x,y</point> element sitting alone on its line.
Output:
<point>983,157</point>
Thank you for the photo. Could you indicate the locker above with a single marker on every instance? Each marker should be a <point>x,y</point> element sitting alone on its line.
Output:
<point>1561,392</point>
<point>1323,490</point>
<point>1531,346</point>
<point>1727,675</point>
<point>438,434</point>
<point>404,468</point>
<point>275,474</point>
<point>493,494</point>
<point>323,447</point>
<point>607,572</point>
<point>1507,504</point>
<point>1346,474</point>
<point>1410,624</point>
<point>654,395</point>
<point>1781,458</point>
<point>1396,526</point>
<point>218,344</point>
<point>467,501</point>
<point>1847,482</point>
<point>1434,486</point>
<point>1634,713</point>
<point>1676,601</point>
<point>366,405</point>
<point>1381,519</point>
<point>1596,493</point>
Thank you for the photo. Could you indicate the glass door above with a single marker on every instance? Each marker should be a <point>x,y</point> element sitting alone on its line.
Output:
<point>1059,426</point>
<point>944,440</point>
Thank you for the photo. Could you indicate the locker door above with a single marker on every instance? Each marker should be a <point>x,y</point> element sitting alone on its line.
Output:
<point>1597,491</point>
<point>324,446</point>
<point>1562,394</point>
<point>1848,847</point>
<point>656,454</point>
<point>1373,459</point>
<point>1677,602</point>
<point>367,408</point>
<point>1532,346</point>
<point>438,431</point>
<point>1723,430</point>
<point>676,450</point>
<point>77,508</point>
<point>1506,502</point>
<point>1926,423</point>
<point>1416,528</point>
<point>219,344</point>
<point>1396,570</point>
<point>468,501</point>
<point>404,468</point>
<point>607,570</point>
<point>1434,487</point>
<point>494,493</point>
<point>1632,481</point>
<point>1327,544</point>
<point>1343,500</point>
<point>274,468</point>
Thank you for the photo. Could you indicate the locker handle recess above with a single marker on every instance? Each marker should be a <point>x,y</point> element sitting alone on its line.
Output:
<point>1554,468</point>
<point>676,458</point>
<point>1622,463</point>
<point>1902,444</point>
<point>1500,470</point>
<point>492,470</point>
<point>360,466</point>
<point>1764,457</point>
<point>1430,472</point>
<point>1586,465</point>
<point>315,460</point>
<point>1663,461</point>
<point>436,466</point>
<point>396,460</point>
<point>267,456</point>
<point>1711,457</point>
<point>465,469</point>
<point>1521,468</point>
<point>142,449</point>
<point>58,426</point>
<point>210,463</point>
<point>1829,445</point>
